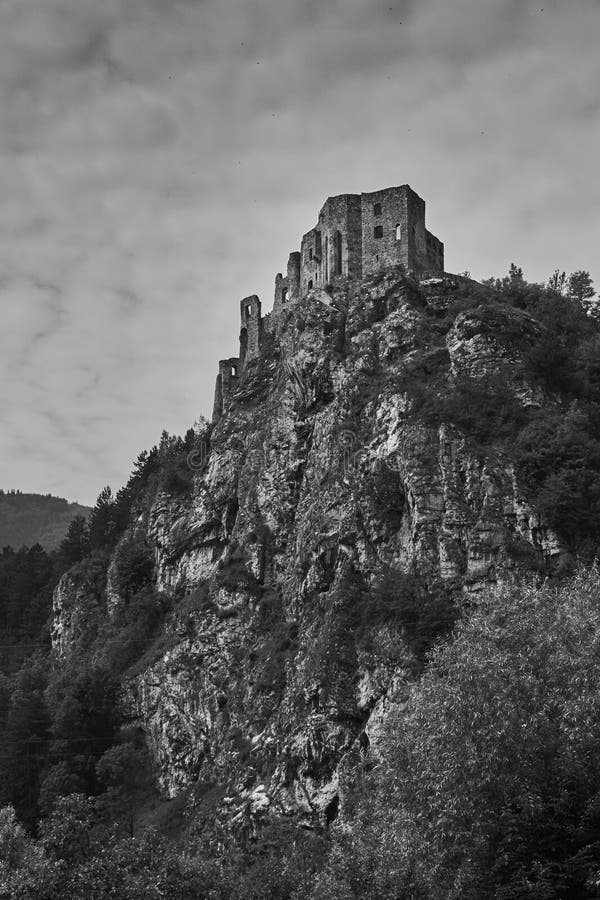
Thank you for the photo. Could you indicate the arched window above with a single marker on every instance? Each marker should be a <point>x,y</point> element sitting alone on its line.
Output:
<point>337,253</point>
<point>377,209</point>
<point>378,231</point>
<point>398,232</point>
<point>234,371</point>
<point>310,285</point>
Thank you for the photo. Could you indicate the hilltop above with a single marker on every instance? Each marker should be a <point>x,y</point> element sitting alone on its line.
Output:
<point>305,638</point>
<point>28,519</point>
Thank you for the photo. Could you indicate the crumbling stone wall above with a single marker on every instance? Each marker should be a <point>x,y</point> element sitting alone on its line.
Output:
<point>287,288</point>
<point>250,333</point>
<point>435,253</point>
<point>293,276</point>
<point>227,381</point>
<point>333,247</point>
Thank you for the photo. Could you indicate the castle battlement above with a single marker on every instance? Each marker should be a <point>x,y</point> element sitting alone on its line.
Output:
<point>356,235</point>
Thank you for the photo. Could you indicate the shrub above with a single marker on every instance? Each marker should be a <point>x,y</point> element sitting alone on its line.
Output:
<point>128,639</point>
<point>424,614</point>
<point>177,477</point>
<point>134,565</point>
<point>486,410</point>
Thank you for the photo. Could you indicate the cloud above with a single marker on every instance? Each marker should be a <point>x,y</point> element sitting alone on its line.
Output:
<point>160,159</point>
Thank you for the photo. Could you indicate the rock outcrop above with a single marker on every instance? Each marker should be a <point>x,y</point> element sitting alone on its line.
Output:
<point>280,657</point>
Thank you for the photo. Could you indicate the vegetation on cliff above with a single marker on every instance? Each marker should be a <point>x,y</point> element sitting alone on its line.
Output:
<point>487,786</point>
<point>489,780</point>
<point>481,781</point>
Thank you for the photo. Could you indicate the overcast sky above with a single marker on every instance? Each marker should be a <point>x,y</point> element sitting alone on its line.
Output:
<point>160,159</point>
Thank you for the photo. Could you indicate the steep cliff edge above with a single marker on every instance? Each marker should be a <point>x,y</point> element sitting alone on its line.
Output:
<point>338,517</point>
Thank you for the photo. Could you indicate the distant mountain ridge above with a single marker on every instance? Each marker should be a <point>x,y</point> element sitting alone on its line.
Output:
<point>28,519</point>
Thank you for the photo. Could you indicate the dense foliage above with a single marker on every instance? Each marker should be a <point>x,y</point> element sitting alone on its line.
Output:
<point>60,730</point>
<point>545,417</point>
<point>485,786</point>
<point>489,780</point>
<point>27,579</point>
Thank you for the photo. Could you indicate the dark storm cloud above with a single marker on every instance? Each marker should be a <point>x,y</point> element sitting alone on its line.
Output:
<point>160,159</point>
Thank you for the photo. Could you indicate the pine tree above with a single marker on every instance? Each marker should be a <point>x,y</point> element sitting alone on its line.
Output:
<point>102,521</point>
<point>76,544</point>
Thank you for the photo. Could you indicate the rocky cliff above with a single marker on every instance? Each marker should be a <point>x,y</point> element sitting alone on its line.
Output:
<point>333,529</point>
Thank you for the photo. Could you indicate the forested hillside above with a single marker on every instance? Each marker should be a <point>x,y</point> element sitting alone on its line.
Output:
<point>342,644</point>
<point>28,519</point>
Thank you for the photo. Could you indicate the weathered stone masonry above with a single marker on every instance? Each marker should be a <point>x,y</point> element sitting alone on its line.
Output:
<point>356,235</point>
<point>227,380</point>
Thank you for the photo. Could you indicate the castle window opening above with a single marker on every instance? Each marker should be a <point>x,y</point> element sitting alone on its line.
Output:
<point>248,310</point>
<point>398,232</point>
<point>284,295</point>
<point>318,244</point>
<point>378,231</point>
<point>310,253</point>
<point>337,253</point>
<point>377,209</point>
<point>310,284</point>
<point>234,371</point>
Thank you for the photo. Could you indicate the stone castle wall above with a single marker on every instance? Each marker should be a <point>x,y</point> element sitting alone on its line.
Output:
<point>334,246</point>
<point>360,234</point>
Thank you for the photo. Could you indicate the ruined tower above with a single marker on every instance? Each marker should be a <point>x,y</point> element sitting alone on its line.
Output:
<point>227,381</point>
<point>356,236</point>
<point>359,234</point>
<point>250,332</point>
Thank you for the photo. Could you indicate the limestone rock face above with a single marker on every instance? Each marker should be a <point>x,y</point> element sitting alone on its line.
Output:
<point>490,340</point>
<point>77,609</point>
<point>276,665</point>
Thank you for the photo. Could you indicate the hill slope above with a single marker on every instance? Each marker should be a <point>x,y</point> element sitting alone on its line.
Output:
<point>251,620</point>
<point>28,519</point>
<point>394,450</point>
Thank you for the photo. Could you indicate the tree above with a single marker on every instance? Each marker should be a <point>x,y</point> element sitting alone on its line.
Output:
<point>62,779</point>
<point>124,772</point>
<point>24,741</point>
<point>580,287</point>
<point>66,833</point>
<point>515,273</point>
<point>83,705</point>
<point>557,282</point>
<point>102,527</point>
<point>133,564</point>
<point>492,770</point>
<point>25,871</point>
<point>76,544</point>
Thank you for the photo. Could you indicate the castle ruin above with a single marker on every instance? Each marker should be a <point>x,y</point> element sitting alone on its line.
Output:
<point>356,235</point>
